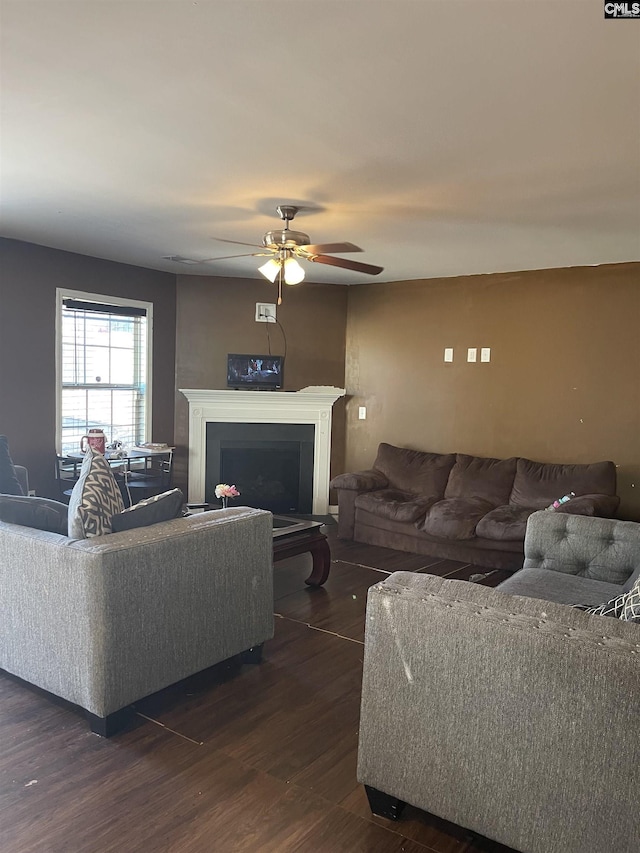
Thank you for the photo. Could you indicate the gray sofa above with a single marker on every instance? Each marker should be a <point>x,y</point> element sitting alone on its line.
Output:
<point>106,621</point>
<point>460,507</point>
<point>504,710</point>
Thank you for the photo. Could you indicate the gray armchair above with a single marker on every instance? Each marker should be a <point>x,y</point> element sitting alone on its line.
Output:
<point>506,713</point>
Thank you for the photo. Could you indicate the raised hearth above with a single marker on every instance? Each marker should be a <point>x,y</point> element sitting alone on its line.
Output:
<point>311,405</point>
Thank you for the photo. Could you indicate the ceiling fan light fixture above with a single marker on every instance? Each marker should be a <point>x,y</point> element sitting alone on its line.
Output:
<point>293,272</point>
<point>271,269</point>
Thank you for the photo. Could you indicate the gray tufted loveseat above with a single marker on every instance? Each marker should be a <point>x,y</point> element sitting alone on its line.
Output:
<point>505,710</point>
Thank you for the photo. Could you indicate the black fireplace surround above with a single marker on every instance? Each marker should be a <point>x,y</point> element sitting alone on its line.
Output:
<point>270,464</point>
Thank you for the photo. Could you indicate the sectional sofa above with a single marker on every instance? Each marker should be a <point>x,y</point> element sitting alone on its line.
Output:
<point>462,507</point>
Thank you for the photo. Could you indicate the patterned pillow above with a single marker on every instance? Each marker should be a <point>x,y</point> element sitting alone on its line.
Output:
<point>95,498</point>
<point>625,606</point>
<point>153,510</point>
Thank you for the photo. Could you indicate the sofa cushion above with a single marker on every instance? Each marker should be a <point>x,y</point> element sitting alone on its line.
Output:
<point>415,471</point>
<point>9,484</point>
<point>394,505</point>
<point>455,518</point>
<point>625,606</point>
<point>162,507</point>
<point>95,498</point>
<point>538,484</point>
<point>40,513</point>
<point>475,476</point>
<point>504,523</point>
<point>557,586</point>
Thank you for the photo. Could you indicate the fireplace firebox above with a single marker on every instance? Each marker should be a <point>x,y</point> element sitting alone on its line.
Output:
<point>271,464</point>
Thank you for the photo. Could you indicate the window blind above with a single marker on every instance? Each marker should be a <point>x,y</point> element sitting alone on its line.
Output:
<point>104,372</point>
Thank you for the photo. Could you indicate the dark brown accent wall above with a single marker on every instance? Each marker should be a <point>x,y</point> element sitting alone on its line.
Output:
<point>563,384</point>
<point>216,316</point>
<point>29,276</point>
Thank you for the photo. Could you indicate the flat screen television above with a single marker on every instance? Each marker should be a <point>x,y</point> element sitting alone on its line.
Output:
<point>262,372</point>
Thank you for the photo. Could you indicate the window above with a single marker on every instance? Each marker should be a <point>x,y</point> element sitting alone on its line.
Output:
<point>103,368</point>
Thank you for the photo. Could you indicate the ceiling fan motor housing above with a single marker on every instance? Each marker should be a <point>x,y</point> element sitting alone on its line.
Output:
<point>285,239</point>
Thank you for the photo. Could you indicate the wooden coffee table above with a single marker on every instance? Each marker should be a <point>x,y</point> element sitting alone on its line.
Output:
<point>292,537</point>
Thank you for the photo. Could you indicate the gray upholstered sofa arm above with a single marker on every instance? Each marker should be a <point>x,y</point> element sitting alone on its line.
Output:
<point>349,486</point>
<point>514,717</point>
<point>105,621</point>
<point>601,549</point>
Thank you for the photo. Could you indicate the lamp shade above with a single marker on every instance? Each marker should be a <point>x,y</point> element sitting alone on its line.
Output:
<point>293,272</point>
<point>271,269</point>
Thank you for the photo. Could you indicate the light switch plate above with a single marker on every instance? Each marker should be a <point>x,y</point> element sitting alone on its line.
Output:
<point>362,413</point>
<point>448,353</point>
<point>472,354</point>
<point>485,354</point>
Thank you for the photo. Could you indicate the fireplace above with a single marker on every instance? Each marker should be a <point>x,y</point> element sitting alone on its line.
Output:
<point>271,464</point>
<point>310,406</point>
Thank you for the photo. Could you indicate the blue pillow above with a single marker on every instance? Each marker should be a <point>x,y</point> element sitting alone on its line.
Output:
<point>158,508</point>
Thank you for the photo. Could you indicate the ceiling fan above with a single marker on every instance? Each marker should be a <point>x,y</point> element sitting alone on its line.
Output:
<point>284,247</point>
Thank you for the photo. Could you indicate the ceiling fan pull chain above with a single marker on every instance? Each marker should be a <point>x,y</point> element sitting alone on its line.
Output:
<point>280,285</point>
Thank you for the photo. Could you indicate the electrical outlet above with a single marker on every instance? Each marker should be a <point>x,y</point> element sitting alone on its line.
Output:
<point>265,312</point>
<point>362,413</point>
<point>448,354</point>
<point>485,354</point>
<point>472,354</point>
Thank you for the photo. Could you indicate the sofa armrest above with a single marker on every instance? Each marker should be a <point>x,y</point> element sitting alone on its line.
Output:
<point>507,715</point>
<point>601,506</point>
<point>361,481</point>
<point>105,621</point>
<point>601,549</point>
<point>348,487</point>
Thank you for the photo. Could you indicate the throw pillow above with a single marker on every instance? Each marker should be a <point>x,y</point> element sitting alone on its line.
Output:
<point>41,513</point>
<point>9,484</point>
<point>158,508</point>
<point>625,606</point>
<point>95,498</point>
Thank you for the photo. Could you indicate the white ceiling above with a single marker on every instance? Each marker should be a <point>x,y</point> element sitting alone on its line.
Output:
<point>444,137</point>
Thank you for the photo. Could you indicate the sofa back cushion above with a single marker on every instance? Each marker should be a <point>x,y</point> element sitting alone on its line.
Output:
<point>538,484</point>
<point>415,471</point>
<point>474,476</point>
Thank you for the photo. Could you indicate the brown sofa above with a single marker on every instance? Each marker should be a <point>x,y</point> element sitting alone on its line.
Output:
<point>461,507</point>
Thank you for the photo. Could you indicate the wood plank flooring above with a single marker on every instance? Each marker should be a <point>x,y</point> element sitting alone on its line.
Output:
<point>240,758</point>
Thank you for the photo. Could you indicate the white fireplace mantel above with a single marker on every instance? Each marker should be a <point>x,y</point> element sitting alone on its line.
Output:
<point>312,405</point>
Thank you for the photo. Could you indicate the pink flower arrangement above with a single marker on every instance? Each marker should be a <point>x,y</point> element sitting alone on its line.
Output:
<point>225,492</point>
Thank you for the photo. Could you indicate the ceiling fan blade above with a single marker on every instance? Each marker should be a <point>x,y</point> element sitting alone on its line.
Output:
<point>179,259</point>
<point>228,257</point>
<point>331,248</point>
<point>356,266</point>
<point>238,242</point>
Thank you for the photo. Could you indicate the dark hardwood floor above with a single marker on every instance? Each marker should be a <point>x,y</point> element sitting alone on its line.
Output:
<point>241,758</point>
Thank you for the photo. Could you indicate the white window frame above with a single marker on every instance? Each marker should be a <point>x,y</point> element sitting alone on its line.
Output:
<point>61,294</point>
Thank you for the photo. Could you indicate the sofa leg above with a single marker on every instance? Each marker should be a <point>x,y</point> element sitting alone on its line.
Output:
<point>384,805</point>
<point>111,724</point>
<point>252,655</point>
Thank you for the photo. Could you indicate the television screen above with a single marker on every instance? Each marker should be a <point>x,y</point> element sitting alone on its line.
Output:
<point>254,371</point>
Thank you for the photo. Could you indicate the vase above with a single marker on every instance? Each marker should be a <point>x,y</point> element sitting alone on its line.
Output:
<point>225,502</point>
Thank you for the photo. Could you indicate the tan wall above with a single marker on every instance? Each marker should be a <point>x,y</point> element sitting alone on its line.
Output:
<point>563,384</point>
<point>216,316</point>
<point>29,277</point>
